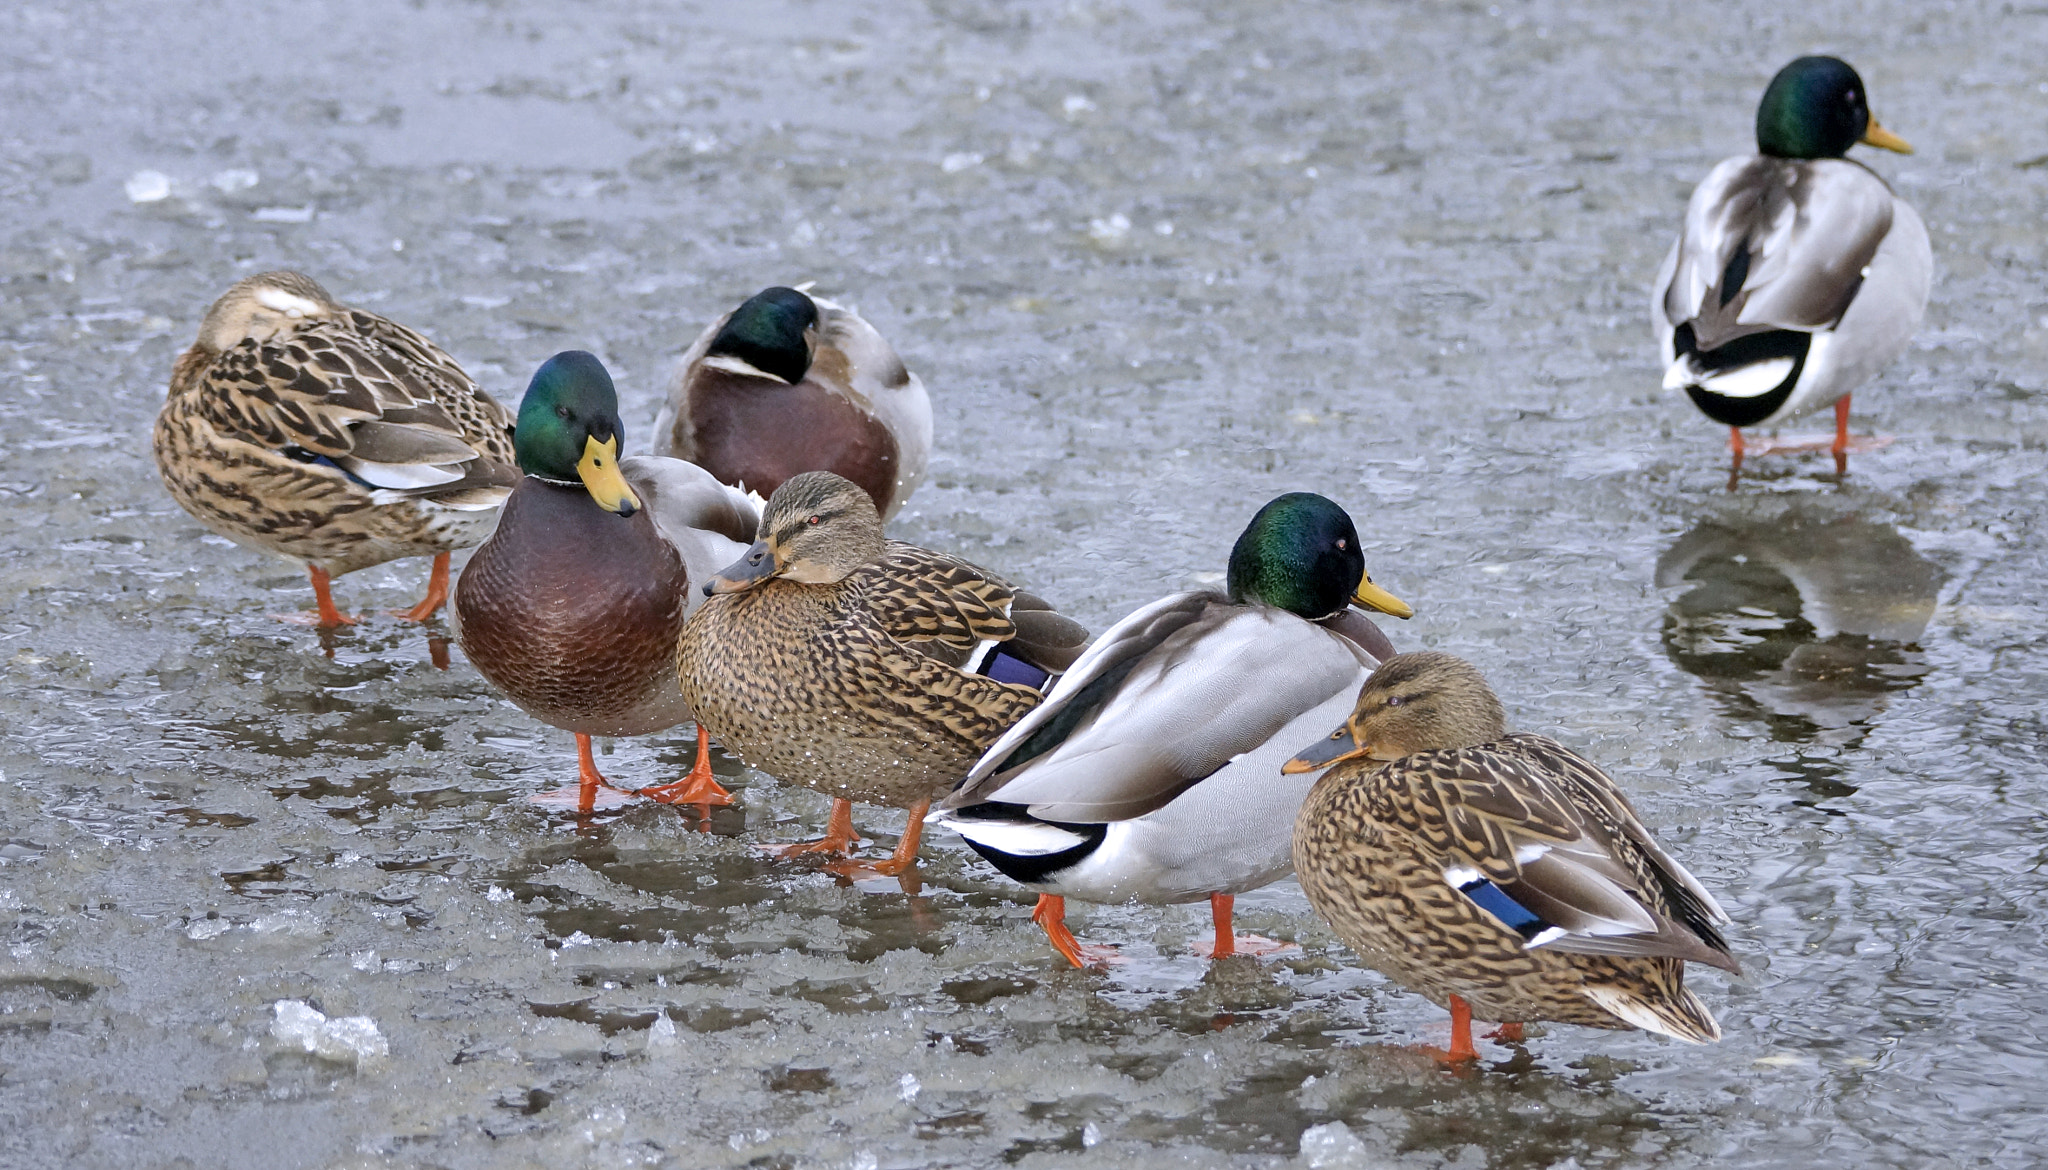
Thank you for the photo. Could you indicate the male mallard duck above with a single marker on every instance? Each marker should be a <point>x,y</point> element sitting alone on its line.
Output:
<point>298,426</point>
<point>1799,275</point>
<point>789,383</point>
<point>572,608</point>
<point>866,669</point>
<point>1499,875</point>
<point>1151,773</point>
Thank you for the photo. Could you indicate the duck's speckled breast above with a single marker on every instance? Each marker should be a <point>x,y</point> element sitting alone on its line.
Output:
<point>801,682</point>
<point>573,612</point>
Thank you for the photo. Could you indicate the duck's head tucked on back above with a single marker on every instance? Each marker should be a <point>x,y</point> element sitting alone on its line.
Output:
<point>1816,108</point>
<point>774,332</point>
<point>818,527</point>
<point>1421,702</point>
<point>569,430</point>
<point>1301,554</point>
<point>261,307</point>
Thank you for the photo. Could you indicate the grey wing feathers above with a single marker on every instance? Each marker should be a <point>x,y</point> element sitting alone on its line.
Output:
<point>1775,243</point>
<point>709,524</point>
<point>1163,700</point>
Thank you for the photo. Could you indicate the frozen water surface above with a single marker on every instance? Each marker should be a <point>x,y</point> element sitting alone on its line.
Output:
<point>1158,262</point>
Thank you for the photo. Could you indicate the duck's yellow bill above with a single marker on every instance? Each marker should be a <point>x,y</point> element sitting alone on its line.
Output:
<point>1379,600</point>
<point>1878,136</point>
<point>599,470</point>
<point>1338,745</point>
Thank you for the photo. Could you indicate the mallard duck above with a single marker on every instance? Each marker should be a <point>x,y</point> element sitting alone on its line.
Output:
<point>331,436</point>
<point>572,608</point>
<point>1151,772</point>
<point>1500,875</point>
<point>870,670</point>
<point>788,383</point>
<point>1798,275</point>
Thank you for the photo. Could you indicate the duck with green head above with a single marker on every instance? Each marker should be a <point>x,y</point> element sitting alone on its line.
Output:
<point>863,668</point>
<point>573,607</point>
<point>1502,875</point>
<point>789,382</point>
<point>1798,274</point>
<point>1152,772</point>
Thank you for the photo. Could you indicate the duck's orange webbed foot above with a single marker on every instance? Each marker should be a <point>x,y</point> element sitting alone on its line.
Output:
<point>839,837</point>
<point>437,593</point>
<point>325,616</point>
<point>1229,942</point>
<point>699,787</point>
<point>1051,916</point>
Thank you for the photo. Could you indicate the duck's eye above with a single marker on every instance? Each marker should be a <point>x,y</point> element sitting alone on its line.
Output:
<point>1341,543</point>
<point>813,520</point>
<point>1395,700</point>
<point>562,412</point>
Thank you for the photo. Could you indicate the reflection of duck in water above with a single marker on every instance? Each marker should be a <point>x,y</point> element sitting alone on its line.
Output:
<point>1804,618</point>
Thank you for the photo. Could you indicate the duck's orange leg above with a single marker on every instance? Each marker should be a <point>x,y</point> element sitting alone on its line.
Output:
<point>839,836</point>
<point>905,857</point>
<point>437,592</point>
<point>1228,941</point>
<point>325,616</point>
<point>1841,447</point>
<point>1051,916</point>
<point>1461,1049</point>
<point>1507,1033</point>
<point>588,782</point>
<point>699,787</point>
<point>1734,457</point>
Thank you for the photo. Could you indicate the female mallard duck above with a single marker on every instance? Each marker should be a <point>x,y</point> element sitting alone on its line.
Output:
<point>789,383</point>
<point>331,436</point>
<point>1500,875</point>
<point>1151,773</point>
<point>1798,275</point>
<point>572,608</point>
<point>866,669</point>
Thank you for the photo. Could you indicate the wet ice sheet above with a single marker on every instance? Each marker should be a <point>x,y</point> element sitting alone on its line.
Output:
<point>1157,263</point>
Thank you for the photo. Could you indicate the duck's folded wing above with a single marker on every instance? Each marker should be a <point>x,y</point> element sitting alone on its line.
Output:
<point>319,393</point>
<point>918,595</point>
<point>1161,701</point>
<point>854,357</point>
<point>1775,243</point>
<point>1514,841</point>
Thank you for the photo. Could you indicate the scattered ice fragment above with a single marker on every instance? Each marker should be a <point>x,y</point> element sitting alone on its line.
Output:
<point>235,179</point>
<point>1116,227</point>
<point>865,1160</point>
<point>363,960</point>
<point>148,187</point>
<point>398,245</point>
<point>1332,1146</point>
<point>579,939</point>
<point>353,1039</point>
<point>908,1088</point>
<point>1076,104</point>
<point>498,894</point>
<point>207,928</point>
<point>1091,1136</point>
<point>959,161</point>
<point>663,1033</point>
<point>283,214</point>
<point>805,232</point>
<point>1163,228</point>
<point>486,302</point>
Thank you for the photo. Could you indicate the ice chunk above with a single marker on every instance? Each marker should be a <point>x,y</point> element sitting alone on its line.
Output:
<point>908,1087</point>
<point>1332,1146</point>
<point>206,928</point>
<point>236,179</point>
<point>661,1036</point>
<point>348,1039</point>
<point>283,214</point>
<point>148,187</point>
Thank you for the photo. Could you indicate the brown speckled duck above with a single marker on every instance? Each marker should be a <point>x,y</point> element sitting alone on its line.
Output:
<point>331,436</point>
<point>788,383</point>
<point>572,608</point>
<point>870,670</point>
<point>1500,875</point>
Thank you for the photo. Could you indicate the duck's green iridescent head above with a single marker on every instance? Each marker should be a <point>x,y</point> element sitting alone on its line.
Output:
<point>1301,554</point>
<point>569,429</point>
<point>1816,108</point>
<point>771,332</point>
